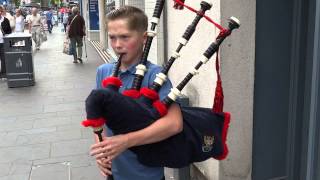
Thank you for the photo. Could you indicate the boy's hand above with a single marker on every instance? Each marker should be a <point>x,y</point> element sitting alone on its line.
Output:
<point>110,147</point>
<point>104,166</point>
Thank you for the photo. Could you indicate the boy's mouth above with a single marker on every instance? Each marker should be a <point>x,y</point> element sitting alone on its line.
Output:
<point>121,53</point>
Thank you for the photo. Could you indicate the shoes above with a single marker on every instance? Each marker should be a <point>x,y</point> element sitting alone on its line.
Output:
<point>38,48</point>
<point>75,61</point>
<point>80,60</point>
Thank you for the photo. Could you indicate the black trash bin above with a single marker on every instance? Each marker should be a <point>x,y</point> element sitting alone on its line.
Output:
<point>19,60</point>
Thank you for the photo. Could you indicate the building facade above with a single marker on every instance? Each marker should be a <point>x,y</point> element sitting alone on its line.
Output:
<point>271,72</point>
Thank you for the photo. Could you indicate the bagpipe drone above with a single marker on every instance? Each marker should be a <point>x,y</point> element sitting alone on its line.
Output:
<point>204,129</point>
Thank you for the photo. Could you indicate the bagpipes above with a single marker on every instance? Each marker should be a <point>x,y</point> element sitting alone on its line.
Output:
<point>204,130</point>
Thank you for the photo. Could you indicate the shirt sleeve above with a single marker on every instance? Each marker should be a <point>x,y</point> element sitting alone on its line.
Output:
<point>103,71</point>
<point>98,78</point>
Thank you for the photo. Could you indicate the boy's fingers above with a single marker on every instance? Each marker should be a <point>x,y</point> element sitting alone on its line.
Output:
<point>105,169</point>
<point>99,144</point>
<point>99,150</point>
<point>95,146</point>
<point>102,173</point>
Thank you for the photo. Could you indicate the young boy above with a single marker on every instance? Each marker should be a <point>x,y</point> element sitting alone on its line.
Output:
<point>127,32</point>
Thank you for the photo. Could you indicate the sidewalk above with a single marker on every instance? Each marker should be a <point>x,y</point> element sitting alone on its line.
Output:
<point>40,130</point>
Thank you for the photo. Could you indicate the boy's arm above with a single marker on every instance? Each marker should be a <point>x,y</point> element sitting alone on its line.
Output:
<point>161,129</point>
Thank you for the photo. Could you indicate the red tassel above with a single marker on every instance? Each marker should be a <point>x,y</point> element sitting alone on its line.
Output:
<point>135,94</point>
<point>178,4</point>
<point>111,81</point>
<point>218,98</point>
<point>149,93</point>
<point>93,122</point>
<point>225,128</point>
<point>160,107</point>
<point>218,108</point>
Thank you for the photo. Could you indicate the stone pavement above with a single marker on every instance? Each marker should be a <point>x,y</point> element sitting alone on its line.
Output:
<point>40,132</point>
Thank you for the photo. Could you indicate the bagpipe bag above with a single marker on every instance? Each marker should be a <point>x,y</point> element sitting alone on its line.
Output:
<point>200,139</point>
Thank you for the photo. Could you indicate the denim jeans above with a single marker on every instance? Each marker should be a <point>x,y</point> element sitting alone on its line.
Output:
<point>76,43</point>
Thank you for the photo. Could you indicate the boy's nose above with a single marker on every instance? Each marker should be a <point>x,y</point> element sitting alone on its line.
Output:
<point>118,44</point>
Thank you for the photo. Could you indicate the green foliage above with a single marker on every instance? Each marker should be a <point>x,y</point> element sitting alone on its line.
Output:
<point>17,3</point>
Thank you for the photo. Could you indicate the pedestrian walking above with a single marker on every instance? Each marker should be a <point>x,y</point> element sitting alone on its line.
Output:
<point>65,21</point>
<point>76,32</point>
<point>5,29</point>
<point>35,27</point>
<point>9,17</point>
<point>19,19</point>
<point>49,16</point>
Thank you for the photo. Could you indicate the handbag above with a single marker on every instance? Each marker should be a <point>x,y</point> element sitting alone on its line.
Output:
<point>67,46</point>
<point>43,36</point>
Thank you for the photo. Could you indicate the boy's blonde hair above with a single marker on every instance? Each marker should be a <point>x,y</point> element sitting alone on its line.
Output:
<point>137,20</point>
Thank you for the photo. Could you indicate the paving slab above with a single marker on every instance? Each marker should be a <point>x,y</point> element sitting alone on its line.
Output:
<point>69,148</point>
<point>48,137</point>
<point>30,152</point>
<point>16,177</point>
<point>82,160</point>
<point>5,169</point>
<point>20,166</point>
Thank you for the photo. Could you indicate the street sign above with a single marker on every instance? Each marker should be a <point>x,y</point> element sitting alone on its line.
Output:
<point>93,15</point>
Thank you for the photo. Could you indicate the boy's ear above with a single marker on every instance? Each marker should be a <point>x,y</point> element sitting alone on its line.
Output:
<point>145,35</point>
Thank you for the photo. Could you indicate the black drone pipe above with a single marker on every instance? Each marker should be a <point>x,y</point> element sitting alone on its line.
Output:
<point>161,77</point>
<point>233,24</point>
<point>141,68</point>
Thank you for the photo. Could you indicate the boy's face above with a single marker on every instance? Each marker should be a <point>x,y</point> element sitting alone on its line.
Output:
<point>124,40</point>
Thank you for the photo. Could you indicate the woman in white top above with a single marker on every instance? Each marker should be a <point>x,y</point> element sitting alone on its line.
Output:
<point>65,21</point>
<point>19,27</point>
<point>9,17</point>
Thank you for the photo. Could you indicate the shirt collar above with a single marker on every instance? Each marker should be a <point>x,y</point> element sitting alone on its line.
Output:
<point>132,68</point>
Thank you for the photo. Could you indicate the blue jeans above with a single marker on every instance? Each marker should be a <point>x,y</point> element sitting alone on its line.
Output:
<point>49,23</point>
<point>76,43</point>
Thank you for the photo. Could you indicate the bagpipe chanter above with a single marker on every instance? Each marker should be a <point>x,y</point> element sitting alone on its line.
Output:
<point>204,133</point>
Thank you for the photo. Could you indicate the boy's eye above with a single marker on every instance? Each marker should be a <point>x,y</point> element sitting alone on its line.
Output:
<point>124,37</point>
<point>111,37</point>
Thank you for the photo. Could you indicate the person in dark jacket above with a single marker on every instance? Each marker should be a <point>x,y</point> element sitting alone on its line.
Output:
<point>5,29</point>
<point>76,32</point>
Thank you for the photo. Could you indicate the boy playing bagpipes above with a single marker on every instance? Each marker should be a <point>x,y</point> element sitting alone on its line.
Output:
<point>127,28</point>
<point>158,131</point>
